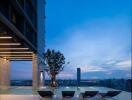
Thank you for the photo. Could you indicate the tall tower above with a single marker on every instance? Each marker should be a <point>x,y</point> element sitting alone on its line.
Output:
<point>78,76</point>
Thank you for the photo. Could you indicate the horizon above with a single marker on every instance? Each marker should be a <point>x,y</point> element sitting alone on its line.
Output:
<point>93,35</point>
<point>69,79</point>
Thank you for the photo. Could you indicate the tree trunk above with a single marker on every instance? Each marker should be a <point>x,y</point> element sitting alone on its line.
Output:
<point>53,80</point>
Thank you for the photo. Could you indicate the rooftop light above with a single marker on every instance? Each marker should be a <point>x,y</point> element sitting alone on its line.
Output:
<point>5,59</point>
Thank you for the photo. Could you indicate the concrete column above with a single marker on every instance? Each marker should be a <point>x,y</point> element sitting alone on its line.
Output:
<point>35,72</point>
<point>41,34</point>
<point>41,73</point>
<point>4,73</point>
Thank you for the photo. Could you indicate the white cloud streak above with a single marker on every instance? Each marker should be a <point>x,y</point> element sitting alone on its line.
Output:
<point>125,65</point>
<point>98,45</point>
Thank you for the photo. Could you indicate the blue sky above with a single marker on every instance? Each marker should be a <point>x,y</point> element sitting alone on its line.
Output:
<point>94,35</point>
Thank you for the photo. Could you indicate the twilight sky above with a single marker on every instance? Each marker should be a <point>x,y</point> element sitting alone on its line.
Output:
<point>94,35</point>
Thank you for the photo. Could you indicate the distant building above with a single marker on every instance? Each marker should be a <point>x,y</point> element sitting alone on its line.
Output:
<point>78,76</point>
<point>22,36</point>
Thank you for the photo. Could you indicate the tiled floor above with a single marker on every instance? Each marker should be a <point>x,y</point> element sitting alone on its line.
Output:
<point>36,97</point>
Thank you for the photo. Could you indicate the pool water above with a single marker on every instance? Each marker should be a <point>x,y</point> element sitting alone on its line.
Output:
<point>29,90</point>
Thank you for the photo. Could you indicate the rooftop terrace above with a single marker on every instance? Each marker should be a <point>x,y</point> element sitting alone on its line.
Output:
<point>26,93</point>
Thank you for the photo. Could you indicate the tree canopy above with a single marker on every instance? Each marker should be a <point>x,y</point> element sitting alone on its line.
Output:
<point>55,61</point>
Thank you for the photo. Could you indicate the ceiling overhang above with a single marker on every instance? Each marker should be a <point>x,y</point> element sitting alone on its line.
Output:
<point>13,48</point>
<point>13,44</point>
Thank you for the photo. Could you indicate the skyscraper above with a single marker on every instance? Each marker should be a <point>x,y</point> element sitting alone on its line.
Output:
<point>78,76</point>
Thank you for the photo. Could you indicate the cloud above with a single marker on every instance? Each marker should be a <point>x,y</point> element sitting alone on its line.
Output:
<point>124,65</point>
<point>63,75</point>
<point>98,45</point>
<point>66,75</point>
<point>91,69</point>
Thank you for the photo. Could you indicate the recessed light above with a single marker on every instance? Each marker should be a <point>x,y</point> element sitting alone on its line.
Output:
<point>5,37</point>
<point>16,52</point>
<point>16,55</point>
<point>10,44</point>
<point>19,57</point>
<point>14,48</point>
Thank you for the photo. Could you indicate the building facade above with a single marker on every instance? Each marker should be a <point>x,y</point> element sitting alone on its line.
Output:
<point>22,36</point>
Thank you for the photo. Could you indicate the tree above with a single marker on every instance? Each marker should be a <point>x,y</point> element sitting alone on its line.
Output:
<point>55,61</point>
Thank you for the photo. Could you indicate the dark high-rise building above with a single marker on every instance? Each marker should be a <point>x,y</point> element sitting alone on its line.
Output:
<point>78,75</point>
<point>22,36</point>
